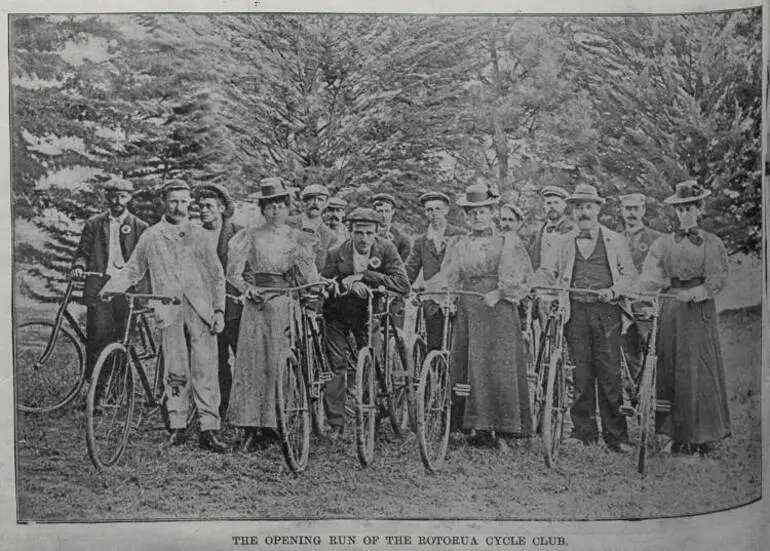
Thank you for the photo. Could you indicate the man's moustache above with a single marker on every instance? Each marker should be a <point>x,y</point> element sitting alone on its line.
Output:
<point>584,218</point>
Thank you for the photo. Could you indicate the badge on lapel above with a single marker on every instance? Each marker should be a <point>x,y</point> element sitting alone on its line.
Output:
<point>125,229</point>
<point>374,262</point>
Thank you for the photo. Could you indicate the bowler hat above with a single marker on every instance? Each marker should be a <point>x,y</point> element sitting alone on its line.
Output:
<point>362,214</point>
<point>687,192</point>
<point>118,184</point>
<point>384,198</point>
<point>633,200</point>
<point>554,191</point>
<point>585,193</point>
<point>272,187</point>
<point>478,195</point>
<point>336,203</point>
<point>174,185</point>
<point>434,196</point>
<point>314,190</point>
<point>219,191</point>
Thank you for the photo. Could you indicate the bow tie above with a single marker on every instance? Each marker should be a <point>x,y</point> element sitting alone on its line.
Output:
<point>482,233</point>
<point>584,235</point>
<point>550,229</point>
<point>691,234</point>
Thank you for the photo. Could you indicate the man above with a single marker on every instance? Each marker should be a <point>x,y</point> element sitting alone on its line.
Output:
<point>182,262</point>
<point>511,218</point>
<point>427,256</point>
<point>593,257</point>
<point>639,238</point>
<point>333,215</point>
<point>106,243</point>
<point>556,224</point>
<point>385,205</point>
<point>216,211</point>
<point>364,260</point>
<point>314,198</point>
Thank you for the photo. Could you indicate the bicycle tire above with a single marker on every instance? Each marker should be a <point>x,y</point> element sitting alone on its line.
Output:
<point>553,412</point>
<point>50,385</point>
<point>645,417</point>
<point>293,415</point>
<point>111,392</point>
<point>366,406</point>
<point>398,386</point>
<point>313,372</point>
<point>538,386</point>
<point>418,355</point>
<point>434,411</point>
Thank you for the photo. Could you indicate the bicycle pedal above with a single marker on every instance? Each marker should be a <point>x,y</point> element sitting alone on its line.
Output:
<point>626,410</point>
<point>462,390</point>
<point>325,377</point>
<point>663,406</point>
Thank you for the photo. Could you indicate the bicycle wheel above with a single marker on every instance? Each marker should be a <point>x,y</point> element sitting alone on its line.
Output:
<point>433,411</point>
<point>110,406</point>
<point>366,406</point>
<point>645,416</point>
<point>399,386</point>
<point>293,415</point>
<point>315,383</point>
<point>417,357</point>
<point>554,408</point>
<point>44,385</point>
<point>538,382</point>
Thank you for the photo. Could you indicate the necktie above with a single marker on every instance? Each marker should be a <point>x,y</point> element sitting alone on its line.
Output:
<point>584,235</point>
<point>691,234</point>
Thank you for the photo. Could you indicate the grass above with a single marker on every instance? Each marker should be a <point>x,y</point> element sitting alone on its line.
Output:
<point>56,481</point>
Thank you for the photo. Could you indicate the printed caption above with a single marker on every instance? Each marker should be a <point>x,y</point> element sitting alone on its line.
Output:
<point>375,540</point>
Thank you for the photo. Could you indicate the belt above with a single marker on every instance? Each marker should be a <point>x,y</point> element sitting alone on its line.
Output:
<point>677,283</point>
<point>264,279</point>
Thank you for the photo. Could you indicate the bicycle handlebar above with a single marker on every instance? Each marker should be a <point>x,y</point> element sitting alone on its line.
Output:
<point>447,292</point>
<point>144,296</point>
<point>85,274</point>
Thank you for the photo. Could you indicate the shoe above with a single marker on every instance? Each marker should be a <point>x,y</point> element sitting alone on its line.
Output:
<point>621,447</point>
<point>249,442</point>
<point>209,442</point>
<point>178,437</point>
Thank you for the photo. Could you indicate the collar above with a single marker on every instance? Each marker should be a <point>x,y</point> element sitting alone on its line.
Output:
<point>306,222</point>
<point>593,232</point>
<point>555,226</point>
<point>634,231</point>
<point>120,219</point>
<point>436,232</point>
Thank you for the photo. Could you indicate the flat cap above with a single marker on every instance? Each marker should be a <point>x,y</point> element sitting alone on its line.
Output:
<point>174,185</point>
<point>633,200</point>
<point>434,196</point>
<point>554,191</point>
<point>219,191</point>
<point>314,190</point>
<point>362,214</point>
<point>336,203</point>
<point>384,198</point>
<point>515,209</point>
<point>118,184</point>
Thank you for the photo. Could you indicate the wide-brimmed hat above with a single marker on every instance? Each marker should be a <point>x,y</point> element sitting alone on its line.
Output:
<point>434,196</point>
<point>362,214</point>
<point>687,192</point>
<point>384,198</point>
<point>554,191</point>
<point>633,200</point>
<point>336,203</point>
<point>585,193</point>
<point>515,209</point>
<point>478,195</point>
<point>174,185</point>
<point>272,187</point>
<point>118,184</point>
<point>219,191</point>
<point>314,190</point>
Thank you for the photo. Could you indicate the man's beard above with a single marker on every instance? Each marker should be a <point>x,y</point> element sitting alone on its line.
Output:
<point>553,215</point>
<point>117,210</point>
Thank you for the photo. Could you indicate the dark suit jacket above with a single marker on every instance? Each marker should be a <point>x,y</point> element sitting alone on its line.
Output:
<point>564,227</point>
<point>93,250</point>
<point>401,242</point>
<point>425,257</point>
<point>390,273</point>
<point>232,309</point>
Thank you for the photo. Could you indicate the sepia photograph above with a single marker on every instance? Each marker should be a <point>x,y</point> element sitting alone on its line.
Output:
<point>386,267</point>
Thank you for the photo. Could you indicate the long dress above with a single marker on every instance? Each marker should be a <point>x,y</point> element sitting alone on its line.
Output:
<point>277,256</point>
<point>690,371</point>
<point>487,344</point>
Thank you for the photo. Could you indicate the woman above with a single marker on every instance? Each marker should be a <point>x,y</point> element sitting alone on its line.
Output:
<point>692,264</point>
<point>487,348</point>
<point>277,256</point>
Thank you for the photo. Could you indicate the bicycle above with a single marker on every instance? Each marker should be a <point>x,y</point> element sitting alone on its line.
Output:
<point>50,379</point>
<point>383,380</point>
<point>434,391</point>
<point>300,382</point>
<point>419,350</point>
<point>644,403</point>
<point>111,396</point>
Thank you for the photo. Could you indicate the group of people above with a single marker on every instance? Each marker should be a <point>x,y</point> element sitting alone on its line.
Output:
<point>208,264</point>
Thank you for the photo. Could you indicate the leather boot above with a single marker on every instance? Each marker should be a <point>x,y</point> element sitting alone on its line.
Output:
<point>208,441</point>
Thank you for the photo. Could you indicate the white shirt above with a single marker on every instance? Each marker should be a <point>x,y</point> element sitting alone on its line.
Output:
<point>360,261</point>
<point>587,246</point>
<point>437,236</point>
<point>115,260</point>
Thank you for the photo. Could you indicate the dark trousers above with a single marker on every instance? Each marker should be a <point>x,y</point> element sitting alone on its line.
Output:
<point>593,335</point>
<point>434,329</point>
<point>340,360</point>
<point>227,340</point>
<point>105,323</point>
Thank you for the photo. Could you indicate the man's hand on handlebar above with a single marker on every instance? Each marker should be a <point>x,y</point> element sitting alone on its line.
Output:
<point>76,273</point>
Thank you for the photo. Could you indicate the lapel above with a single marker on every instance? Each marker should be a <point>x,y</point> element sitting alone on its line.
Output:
<point>127,237</point>
<point>228,230</point>
<point>105,233</point>
<point>569,264</point>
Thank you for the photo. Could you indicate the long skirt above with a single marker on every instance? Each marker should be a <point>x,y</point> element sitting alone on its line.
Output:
<point>262,349</point>
<point>691,374</point>
<point>488,354</point>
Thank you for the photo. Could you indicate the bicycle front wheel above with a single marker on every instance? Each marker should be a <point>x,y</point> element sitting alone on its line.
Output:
<point>433,411</point>
<point>417,357</point>
<point>110,406</point>
<point>45,384</point>
<point>293,415</point>
<point>554,408</point>
<point>399,386</point>
<point>366,406</point>
<point>645,416</point>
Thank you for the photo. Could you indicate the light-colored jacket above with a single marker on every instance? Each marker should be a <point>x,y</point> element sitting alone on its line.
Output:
<point>558,266</point>
<point>182,261</point>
